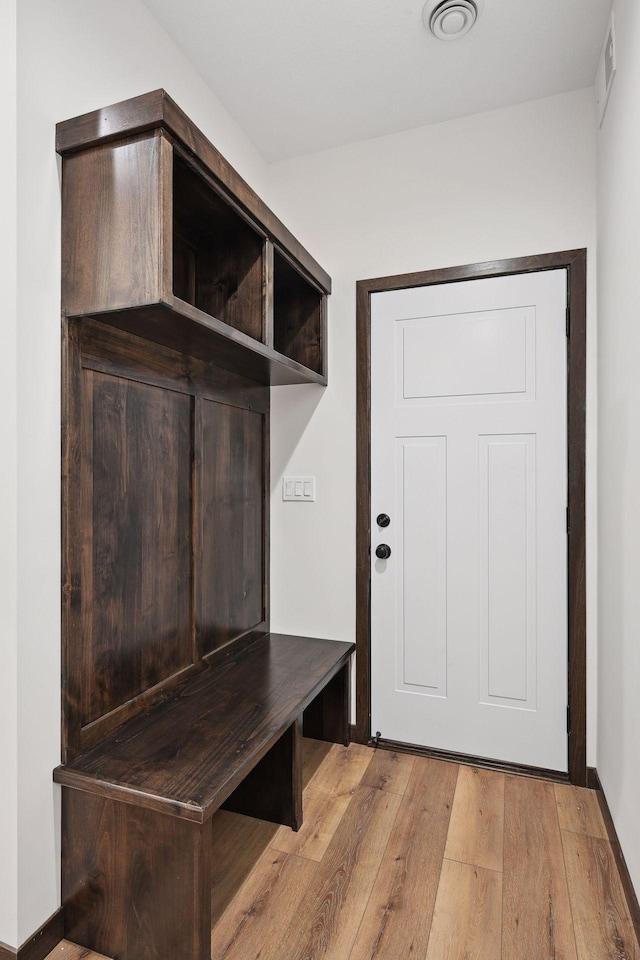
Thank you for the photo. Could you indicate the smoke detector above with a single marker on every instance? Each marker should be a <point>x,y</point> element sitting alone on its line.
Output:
<point>450,19</point>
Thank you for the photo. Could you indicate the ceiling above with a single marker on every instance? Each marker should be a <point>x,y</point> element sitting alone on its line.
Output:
<point>306,75</point>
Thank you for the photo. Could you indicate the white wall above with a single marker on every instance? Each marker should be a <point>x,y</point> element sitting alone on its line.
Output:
<point>8,484</point>
<point>619,443</point>
<point>73,56</point>
<point>507,183</point>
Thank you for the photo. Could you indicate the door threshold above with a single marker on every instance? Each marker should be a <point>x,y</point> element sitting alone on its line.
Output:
<point>485,763</point>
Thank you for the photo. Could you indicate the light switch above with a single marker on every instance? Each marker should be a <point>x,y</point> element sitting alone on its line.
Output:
<point>301,489</point>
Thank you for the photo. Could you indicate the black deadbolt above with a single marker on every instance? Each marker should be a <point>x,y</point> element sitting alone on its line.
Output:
<point>383,552</point>
<point>383,520</point>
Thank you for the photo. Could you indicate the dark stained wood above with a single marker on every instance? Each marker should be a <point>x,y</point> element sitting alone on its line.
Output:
<point>136,571</point>
<point>111,219</point>
<point>298,316</point>
<point>232,524</point>
<point>109,350</point>
<point>273,789</point>
<point>575,262</point>
<point>327,718</point>
<point>144,894</point>
<point>217,256</point>
<point>188,753</point>
<point>268,293</point>
<point>363,513</point>
<point>156,109</point>
<point>577,588</point>
<point>625,877</point>
<point>182,327</point>
<point>72,535</point>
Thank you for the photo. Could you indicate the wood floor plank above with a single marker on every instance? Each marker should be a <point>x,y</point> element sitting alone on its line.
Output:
<point>537,919</point>
<point>602,925</point>
<point>579,811</point>
<point>467,920</point>
<point>327,921</point>
<point>314,752</point>
<point>325,801</point>
<point>397,920</point>
<point>254,921</point>
<point>238,843</point>
<point>477,819</point>
<point>71,951</point>
<point>389,771</point>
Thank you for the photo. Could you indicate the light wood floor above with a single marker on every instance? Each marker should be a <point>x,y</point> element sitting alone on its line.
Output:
<point>403,858</point>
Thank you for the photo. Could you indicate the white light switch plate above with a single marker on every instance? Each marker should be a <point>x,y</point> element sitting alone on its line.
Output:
<point>302,489</point>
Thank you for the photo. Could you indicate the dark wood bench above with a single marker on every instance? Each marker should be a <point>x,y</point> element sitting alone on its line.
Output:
<point>137,808</point>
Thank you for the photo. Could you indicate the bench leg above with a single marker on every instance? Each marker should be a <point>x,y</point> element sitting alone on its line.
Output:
<point>327,717</point>
<point>136,884</point>
<point>273,789</point>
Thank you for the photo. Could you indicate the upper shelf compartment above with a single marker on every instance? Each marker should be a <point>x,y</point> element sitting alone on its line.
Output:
<point>162,238</point>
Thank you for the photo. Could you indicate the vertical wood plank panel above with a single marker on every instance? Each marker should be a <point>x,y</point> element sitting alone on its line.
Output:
<point>137,602</point>
<point>231,583</point>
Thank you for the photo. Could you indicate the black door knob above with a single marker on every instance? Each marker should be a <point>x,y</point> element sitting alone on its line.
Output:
<point>383,551</point>
<point>383,519</point>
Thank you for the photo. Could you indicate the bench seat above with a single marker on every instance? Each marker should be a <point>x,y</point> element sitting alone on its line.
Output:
<point>137,808</point>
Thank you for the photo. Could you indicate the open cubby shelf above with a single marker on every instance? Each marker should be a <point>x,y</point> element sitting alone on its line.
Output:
<point>218,259</point>
<point>298,316</point>
<point>158,226</point>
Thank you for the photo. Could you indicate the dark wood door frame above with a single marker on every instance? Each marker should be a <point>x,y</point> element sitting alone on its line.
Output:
<point>575,263</point>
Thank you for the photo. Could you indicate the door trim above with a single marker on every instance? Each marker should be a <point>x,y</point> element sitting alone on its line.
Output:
<point>575,262</point>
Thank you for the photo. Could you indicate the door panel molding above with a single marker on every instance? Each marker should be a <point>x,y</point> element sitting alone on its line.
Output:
<point>575,262</point>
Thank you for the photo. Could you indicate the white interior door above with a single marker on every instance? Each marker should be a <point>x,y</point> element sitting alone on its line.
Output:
<point>469,462</point>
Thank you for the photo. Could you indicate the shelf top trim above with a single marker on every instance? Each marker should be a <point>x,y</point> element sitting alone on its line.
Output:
<point>155,110</point>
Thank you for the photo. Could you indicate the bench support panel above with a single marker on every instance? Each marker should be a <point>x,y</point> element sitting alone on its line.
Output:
<point>327,717</point>
<point>136,884</point>
<point>273,789</point>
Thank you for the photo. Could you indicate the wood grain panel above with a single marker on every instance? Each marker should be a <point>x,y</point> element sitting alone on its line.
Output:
<point>579,811</point>
<point>398,917</point>
<point>537,918</point>
<point>297,316</point>
<point>231,519</point>
<point>467,920</point>
<point>136,564</point>
<point>157,109</point>
<point>275,889</point>
<point>389,771</point>
<point>325,800</point>
<point>135,884</point>
<point>111,220</point>
<point>327,921</point>
<point>477,819</point>
<point>217,256</point>
<point>603,928</point>
<point>187,754</point>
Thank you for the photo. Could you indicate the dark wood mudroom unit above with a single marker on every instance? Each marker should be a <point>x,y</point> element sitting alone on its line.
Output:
<point>184,298</point>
